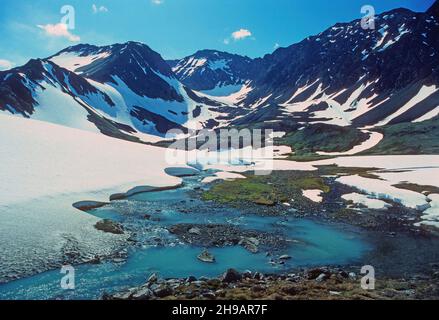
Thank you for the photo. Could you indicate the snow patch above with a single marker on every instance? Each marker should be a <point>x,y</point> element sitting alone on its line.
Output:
<point>313,195</point>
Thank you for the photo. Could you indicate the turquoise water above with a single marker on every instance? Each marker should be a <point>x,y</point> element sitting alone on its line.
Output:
<point>311,244</point>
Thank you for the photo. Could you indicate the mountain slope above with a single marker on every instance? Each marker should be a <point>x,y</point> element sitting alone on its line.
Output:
<point>215,72</point>
<point>142,85</point>
<point>350,76</point>
<point>44,91</point>
<point>125,90</point>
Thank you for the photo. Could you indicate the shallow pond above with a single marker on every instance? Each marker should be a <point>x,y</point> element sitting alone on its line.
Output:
<point>157,251</point>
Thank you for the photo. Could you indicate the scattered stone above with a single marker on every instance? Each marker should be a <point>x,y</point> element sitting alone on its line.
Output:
<point>285,257</point>
<point>163,292</point>
<point>291,290</point>
<point>258,276</point>
<point>322,277</point>
<point>142,294</point>
<point>314,273</point>
<point>247,274</point>
<point>191,279</point>
<point>231,275</point>
<point>209,295</point>
<point>352,276</point>
<point>206,256</point>
<point>250,244</point>
<point>109,226</point>
<point>195,230</point>
<point>153,278</point>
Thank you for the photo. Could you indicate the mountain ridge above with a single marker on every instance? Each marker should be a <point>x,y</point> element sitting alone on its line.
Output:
<point>343,76</point>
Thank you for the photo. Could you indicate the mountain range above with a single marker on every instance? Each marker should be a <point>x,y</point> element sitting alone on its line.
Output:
<point>345,76</point>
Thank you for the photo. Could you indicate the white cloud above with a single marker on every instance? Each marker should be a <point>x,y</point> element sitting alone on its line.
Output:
<point>97,9</point>
<point>241,34</point>
<point>59,30</point>
<point>6,64</point>
<point>157,2</point>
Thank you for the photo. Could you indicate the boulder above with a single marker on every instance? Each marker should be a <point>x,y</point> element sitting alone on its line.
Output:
<point>163,292</point>
<point>195,231</point>
<point>206,256</point>
<point>231,275</point>
<point>109,226</point>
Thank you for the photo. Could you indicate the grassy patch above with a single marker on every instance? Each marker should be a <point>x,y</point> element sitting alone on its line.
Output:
<point>269,190</point>
<point>253,189</point>
<point>409,138</point>
<point>321,137</point>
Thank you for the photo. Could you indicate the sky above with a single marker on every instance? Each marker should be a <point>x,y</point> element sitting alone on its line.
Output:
<point>174,28</point>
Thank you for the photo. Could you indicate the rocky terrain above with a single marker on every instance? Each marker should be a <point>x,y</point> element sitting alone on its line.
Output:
<point>318,283</point>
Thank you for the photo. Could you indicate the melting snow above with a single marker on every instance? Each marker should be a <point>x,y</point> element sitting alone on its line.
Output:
<point>423,93</point>
<point>45,169</point>
<point>381,189</point>
<point>364,200</point>
<point>313,195</point>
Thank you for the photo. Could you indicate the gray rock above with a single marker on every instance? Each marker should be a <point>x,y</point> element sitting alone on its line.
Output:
<point>322,277</point>
<point>143,294</point>
<point>163,292</point>
<point>109,226</point>
<point>209,295</point>
<point>231,275</point>
<point>250,244</point>
<point>153,278</point>
<point>207,257</point>
<point>195,231</point>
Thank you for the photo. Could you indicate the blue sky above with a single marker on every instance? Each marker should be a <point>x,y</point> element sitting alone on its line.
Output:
<point>174,28</point>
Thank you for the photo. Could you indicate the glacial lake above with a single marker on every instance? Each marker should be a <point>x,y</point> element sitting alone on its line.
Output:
<point>314,244</point>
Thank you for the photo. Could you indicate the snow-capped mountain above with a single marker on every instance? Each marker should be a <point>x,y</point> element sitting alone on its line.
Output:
<point>350,76</point>
<point>44,91</point>
<point>214,72</point>
<point>123,89</point>
<point>345,76</point>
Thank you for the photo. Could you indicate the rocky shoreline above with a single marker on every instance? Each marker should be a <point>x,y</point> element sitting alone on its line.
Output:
<point>324,283</point>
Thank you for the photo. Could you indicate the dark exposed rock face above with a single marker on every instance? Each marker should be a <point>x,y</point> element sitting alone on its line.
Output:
<point>17,85</point>
<point>346,58</point>
<point>139,67</point>
<point>346,75</point>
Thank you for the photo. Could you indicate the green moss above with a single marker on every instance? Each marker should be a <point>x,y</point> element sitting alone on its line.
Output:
<point>409,138</point>
<point>321,137</point>
<point>309,183</point>
<point>269,190</point>
<point>253,189</point>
